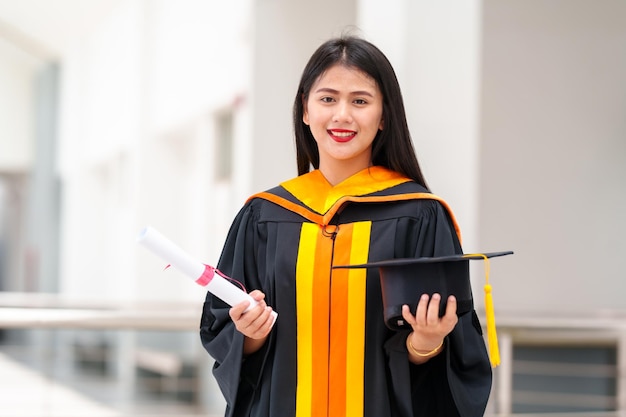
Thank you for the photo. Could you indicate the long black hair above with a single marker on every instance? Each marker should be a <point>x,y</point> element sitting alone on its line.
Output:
<point>392,147</point>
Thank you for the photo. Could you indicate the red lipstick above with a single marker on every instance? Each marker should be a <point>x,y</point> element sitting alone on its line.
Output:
<point>342,135</point>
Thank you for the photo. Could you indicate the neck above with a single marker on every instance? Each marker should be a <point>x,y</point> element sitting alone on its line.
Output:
<point>341,171</point>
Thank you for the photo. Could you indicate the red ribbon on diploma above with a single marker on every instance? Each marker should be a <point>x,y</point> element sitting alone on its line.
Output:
<point>208,274</point>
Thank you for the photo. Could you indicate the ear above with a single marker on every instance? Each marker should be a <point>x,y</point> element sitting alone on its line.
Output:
<point>382,123</point>
<point>305,111</point>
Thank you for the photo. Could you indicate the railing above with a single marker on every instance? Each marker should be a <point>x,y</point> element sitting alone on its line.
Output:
<point>51,336</point>
<point>131,361</point>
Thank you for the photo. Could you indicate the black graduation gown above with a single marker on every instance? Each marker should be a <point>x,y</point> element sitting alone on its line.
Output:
<point>262,251</point>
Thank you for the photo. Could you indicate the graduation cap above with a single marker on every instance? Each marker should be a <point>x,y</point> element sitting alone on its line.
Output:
<point>404,280</point>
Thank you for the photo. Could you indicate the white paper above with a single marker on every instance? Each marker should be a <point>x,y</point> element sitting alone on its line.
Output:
<point>218,285</point>
<point>170,253</point>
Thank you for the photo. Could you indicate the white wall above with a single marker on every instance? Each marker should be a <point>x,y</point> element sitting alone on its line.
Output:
<point>17,72</point>
<point>553,156</point>
<point>197,66</point>
<point>442,88</point>
<point>286,33</point>
<point>140,92</point>
<point>435,50</point>
<point>100,125</point>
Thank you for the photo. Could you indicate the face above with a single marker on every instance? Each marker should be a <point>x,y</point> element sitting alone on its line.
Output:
<point>344,111</point>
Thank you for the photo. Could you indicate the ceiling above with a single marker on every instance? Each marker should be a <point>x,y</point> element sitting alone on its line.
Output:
<point>43,28</point>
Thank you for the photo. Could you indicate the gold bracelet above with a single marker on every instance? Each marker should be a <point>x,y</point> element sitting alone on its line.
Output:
<point>415,351</point>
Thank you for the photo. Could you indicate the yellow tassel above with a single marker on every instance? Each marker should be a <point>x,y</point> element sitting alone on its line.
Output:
<point>492,336</point>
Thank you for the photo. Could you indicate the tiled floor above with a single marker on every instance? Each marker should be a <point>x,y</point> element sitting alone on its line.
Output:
<point>25,392</point>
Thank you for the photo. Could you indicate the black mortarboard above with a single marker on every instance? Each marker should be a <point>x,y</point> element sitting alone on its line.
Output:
<point>404,280</point>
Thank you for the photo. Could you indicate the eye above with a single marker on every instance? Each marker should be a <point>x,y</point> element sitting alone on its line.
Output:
<point>360,101</point>
<point>327,99</point>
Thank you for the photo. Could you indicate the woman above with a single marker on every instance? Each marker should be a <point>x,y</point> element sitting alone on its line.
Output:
<point>329,352</point>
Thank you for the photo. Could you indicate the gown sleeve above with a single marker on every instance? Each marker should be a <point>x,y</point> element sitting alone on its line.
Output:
<point>237,377</point>
<point>457,382</point>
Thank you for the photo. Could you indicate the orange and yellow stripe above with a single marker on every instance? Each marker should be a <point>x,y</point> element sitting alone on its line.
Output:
<point>331,320</point>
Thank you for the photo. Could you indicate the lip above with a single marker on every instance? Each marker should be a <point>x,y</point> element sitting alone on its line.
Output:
<point>341,135</point>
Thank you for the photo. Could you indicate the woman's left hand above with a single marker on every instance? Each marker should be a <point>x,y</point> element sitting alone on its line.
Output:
<point>429,329</point>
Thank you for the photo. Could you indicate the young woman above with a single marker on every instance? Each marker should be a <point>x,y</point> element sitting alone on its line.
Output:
<point>359,197</point>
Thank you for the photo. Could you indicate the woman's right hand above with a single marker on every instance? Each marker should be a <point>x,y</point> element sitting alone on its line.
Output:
<point>255,324</point>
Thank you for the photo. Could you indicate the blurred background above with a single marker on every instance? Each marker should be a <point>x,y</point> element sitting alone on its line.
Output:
<point>117,114</point>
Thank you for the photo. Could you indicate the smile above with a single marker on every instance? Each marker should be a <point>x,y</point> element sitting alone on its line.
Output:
<point>341,135</point>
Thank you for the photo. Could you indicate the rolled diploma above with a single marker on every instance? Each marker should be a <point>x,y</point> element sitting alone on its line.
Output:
<point>205,275</point>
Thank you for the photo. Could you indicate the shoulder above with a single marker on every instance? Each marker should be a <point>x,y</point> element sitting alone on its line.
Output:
<point>275,204</point>
<point>409,187</point>
<point>410,197</point>
<point>410,193</point>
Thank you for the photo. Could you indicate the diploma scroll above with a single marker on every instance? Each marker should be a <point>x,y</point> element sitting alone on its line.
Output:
<point>205,275</point>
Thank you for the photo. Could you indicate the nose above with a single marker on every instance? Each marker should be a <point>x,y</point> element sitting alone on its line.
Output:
<point>342,113</point>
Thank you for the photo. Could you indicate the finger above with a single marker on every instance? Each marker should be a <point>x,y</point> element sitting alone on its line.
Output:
<point>248,305</point>
<point>247,322</point>
<point>262,318</point>
<point>238,309</point>
<point>450,316</point>
<point>244,314</point>
<point>260,304</point>
<point>408,316</point>
<point>451,306</point>
<point>433,309</point>
<point>257,295</point>
<point>269,321</point>
<point>261,325</point>
<point>420,313</point>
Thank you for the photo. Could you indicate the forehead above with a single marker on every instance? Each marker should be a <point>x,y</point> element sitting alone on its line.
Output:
<point>341,77</point>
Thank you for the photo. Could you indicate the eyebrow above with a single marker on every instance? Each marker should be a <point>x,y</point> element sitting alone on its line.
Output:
<point>333,91</point>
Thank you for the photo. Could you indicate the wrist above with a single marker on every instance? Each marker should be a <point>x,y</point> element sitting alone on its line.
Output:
<point>420,352</point>
<point>251,345</point>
